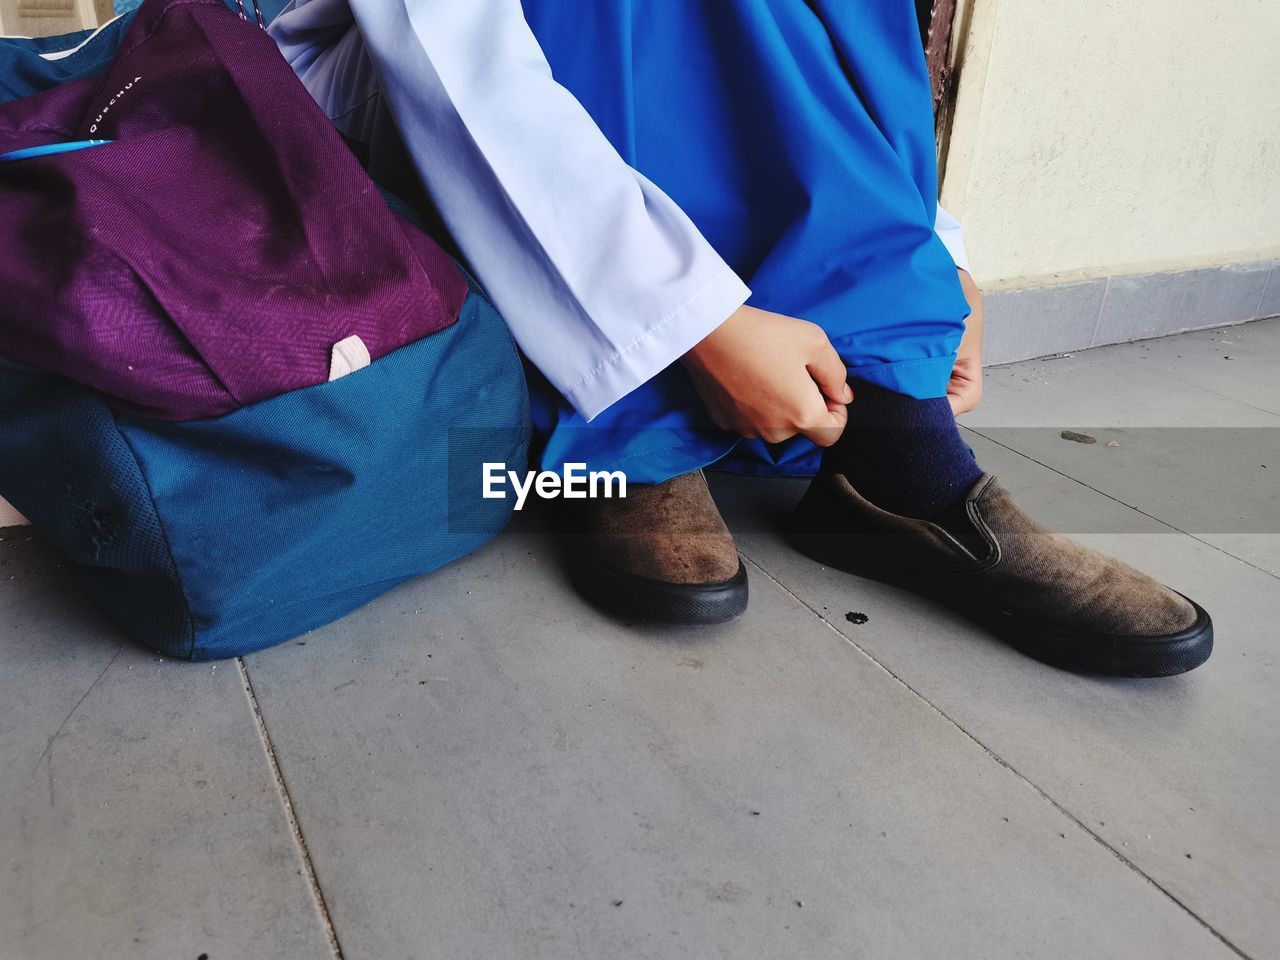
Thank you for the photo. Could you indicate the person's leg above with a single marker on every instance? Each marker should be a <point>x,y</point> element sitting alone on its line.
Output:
<point>798,136</point>
<point>662,553</point>
<point>810,168</point>
<point>751,117</point>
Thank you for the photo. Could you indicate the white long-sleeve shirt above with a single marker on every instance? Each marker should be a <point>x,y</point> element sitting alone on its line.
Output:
<point>600,276</point>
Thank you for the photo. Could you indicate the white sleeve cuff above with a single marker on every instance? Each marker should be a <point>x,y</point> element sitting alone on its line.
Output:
<point>951,234</point>
<point>658,346</point>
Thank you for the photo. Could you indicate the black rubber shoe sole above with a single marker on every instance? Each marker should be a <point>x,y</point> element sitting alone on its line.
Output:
<point>654,601</point>
<point>1103,654</point>
<point>1055,644</point>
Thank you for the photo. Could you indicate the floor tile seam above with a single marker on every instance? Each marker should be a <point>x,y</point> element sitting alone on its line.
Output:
<point>286,801</point>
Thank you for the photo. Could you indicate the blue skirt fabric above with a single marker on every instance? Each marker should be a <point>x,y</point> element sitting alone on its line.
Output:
<point>798,135</point>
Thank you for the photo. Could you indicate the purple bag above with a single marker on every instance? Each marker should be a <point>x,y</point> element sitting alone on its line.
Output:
<point>171,301</point>
<point>216,249</point>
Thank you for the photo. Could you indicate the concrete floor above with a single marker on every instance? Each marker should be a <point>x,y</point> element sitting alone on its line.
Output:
<point>478,766</point>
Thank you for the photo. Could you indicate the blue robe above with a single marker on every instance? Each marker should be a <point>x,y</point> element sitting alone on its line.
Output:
<point>798,136</point>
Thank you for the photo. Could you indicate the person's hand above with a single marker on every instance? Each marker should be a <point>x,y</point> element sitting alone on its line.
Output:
<point>765,375</point>
<point>965,388</point>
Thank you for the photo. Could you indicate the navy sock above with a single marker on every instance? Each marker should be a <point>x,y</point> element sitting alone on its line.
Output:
<point>904,455</point>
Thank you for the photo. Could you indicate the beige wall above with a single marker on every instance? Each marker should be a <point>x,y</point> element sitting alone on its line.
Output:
<point>1101,137</point>
<point>42,18</point>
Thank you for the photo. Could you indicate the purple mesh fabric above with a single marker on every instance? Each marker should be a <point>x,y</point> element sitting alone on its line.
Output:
<point>212,254</point>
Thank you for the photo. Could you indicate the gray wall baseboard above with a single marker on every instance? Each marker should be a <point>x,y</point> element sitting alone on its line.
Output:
<point>1042,321</point>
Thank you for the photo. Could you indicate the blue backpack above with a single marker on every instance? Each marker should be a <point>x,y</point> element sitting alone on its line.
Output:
<point>214,537</point>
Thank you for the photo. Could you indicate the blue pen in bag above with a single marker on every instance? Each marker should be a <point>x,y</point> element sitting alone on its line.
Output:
<point>49,149</point>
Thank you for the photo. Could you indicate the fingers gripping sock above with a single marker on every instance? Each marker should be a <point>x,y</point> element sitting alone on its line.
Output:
<point>904,455</point>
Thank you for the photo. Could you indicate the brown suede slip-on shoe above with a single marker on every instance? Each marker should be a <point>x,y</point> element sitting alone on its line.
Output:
<point>1056,600</point>
<point>661,554</point>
